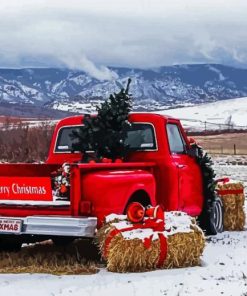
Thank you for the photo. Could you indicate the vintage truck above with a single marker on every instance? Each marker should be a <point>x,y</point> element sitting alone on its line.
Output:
<point>160,169</point>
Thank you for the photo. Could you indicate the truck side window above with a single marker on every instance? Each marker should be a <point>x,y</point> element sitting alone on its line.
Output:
<point>175,139</point>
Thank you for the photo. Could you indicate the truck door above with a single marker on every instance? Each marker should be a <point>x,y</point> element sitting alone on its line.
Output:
<point>189,174</point>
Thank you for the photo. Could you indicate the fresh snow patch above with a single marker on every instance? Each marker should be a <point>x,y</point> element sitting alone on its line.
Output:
<point>216,115</point>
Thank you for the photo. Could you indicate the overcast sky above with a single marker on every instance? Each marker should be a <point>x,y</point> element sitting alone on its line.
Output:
<point>132,33</point>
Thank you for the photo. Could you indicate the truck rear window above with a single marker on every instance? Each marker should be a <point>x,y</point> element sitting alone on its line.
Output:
<point>64,139</point>
<point>140,136</point>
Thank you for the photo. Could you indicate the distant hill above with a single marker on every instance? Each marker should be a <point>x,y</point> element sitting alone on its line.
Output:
<point>38,90</point>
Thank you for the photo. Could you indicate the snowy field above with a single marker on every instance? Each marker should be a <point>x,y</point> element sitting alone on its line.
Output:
<point>217,115</point>
<point>223,270</point>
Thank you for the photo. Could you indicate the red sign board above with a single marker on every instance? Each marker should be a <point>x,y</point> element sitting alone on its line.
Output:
<point>25,188</point>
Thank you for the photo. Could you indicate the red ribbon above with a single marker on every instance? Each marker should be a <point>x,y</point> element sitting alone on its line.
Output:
<point>223,180</point>
<point>163,250</point>
<point>154,224</point>
<point>229,191</point>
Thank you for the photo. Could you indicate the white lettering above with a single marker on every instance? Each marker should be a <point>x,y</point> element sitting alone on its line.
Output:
<point>23,189</point>
<point>4,190</point>
<point>14,188</point>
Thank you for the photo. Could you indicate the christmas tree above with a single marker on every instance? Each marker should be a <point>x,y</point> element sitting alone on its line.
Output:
<point>105,133</point>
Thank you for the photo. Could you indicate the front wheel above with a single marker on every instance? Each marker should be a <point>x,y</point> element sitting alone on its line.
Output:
<point>216,218</point>
<point>211,220</point>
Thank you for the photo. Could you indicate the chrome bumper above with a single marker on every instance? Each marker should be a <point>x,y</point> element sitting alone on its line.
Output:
<point>56,226</point>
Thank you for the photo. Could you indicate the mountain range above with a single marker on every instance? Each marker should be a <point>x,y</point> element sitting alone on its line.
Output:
<point>50,92</point>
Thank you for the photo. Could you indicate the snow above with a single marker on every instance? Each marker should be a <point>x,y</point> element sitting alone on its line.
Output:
<point>223,270</point>
<point>217,115</point>
<point>81,107</point>
<point>175,222</point>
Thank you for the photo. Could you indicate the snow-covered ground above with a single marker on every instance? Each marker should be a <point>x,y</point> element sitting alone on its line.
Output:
<point>218,115</point>
<point>223,270</point>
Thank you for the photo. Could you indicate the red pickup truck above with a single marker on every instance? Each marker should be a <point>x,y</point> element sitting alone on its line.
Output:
<point>160,169</point>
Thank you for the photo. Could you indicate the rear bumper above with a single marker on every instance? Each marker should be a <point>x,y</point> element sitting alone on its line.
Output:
<point>54,226</point>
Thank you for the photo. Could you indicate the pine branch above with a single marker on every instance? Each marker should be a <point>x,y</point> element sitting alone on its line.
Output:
<point>105,134</point>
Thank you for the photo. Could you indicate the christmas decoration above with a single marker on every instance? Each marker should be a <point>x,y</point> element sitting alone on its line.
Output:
<point>232,195</point>
<point>153,243</point>
<point>61,183</point>
<point>209,184</point>
<point>105,133</point>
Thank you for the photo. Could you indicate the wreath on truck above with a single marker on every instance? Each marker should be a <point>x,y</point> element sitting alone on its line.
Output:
<point>211,218</point>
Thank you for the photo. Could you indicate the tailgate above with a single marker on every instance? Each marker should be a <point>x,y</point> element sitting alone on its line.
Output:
<point>28,187</point>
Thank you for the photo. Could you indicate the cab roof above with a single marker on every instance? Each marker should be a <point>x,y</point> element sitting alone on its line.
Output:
<point>77,119</point>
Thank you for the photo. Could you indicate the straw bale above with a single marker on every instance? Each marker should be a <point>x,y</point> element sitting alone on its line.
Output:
<point>233,204</point>
<point>130,255</point>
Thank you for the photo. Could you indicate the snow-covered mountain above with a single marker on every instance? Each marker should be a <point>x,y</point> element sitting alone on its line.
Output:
<point>155,89</point>
<point>220,115</point>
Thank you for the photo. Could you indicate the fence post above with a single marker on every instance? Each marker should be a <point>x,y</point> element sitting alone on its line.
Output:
<point>234,148</point>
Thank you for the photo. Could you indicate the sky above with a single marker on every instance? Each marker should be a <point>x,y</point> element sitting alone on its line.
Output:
<point>93,34</point>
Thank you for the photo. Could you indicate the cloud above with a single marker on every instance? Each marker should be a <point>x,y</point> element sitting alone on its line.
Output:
<point>91,35</point>
<point>83,63</point>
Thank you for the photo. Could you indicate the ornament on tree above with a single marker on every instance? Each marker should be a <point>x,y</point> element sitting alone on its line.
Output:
<point>105,133</point>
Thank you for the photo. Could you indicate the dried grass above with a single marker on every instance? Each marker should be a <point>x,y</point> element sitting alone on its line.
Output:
<point>184,249</point>
<point>234,215</point>
<point>47,258</point>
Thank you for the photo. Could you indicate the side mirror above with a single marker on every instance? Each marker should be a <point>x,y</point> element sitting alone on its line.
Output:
<point>193,148</point>
<point>192,141</point>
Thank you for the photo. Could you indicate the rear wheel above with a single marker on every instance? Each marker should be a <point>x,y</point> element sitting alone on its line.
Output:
<point>62,241</point>
<point>10,246</point>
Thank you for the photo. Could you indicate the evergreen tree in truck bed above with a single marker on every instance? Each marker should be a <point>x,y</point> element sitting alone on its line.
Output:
<point>105,133</point>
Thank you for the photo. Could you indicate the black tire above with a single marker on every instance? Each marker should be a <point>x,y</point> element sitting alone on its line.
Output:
<point>216,218</point>
<point>62,241</point>
<point>211,220</point>
<point>10,246</point>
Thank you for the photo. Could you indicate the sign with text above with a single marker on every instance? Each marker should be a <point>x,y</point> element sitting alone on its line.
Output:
<point>25,188</point>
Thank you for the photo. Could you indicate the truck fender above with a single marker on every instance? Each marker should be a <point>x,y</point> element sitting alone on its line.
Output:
<point>139,193</point>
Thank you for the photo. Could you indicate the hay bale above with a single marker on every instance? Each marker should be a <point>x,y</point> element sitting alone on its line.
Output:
<point>232,196</point>
<point>128,253</point>
<point>47,258</point>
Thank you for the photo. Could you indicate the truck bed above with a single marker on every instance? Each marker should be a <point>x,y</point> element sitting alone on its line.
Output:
<point>42,213</point>
<point>26,175</point>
